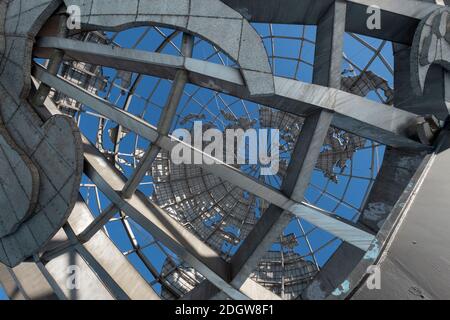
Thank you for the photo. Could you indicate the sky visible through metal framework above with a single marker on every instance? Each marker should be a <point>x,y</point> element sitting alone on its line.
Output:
<point>95,98</point>
<point>341,181</point>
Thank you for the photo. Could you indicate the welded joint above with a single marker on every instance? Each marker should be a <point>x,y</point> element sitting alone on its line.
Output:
<point>428,128</point>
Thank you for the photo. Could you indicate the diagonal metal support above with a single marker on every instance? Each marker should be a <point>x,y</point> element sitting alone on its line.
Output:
<point>334,225</point>
<point>166,120</point>
<point>400,16</point>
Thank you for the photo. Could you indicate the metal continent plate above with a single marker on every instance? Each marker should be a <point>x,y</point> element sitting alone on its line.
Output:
<point>53,148</point>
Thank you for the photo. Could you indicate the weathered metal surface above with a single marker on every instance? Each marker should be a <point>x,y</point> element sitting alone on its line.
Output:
<point>431,46</point>
<point>355,114</point>
<point>415,264</point>
<point>216,22</point>
<point>394,188</point>
<point>402,16</point>
<point>19,184</point>
<point>53,147</point>
<point>108,276</point>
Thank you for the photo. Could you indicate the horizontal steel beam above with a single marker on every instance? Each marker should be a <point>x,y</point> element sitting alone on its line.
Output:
<point>165,122</point>
<point>331,223</point>
<point>160,225</point>
<point>401,16</point>
<point>366,118</point>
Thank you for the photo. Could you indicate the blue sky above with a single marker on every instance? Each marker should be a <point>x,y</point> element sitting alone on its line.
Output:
<point>2,294</point>
<point>342,197</point>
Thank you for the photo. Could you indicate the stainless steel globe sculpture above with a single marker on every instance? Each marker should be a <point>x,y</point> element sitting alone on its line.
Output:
<point>361,113</point>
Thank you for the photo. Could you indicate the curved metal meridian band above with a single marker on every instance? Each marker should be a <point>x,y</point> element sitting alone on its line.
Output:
<point>210,19</point>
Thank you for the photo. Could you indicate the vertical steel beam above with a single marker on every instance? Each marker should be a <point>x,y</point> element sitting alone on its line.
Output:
<point>166,120</point>
<point>327,72</point>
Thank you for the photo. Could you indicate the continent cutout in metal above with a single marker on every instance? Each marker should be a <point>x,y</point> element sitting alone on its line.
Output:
<point>431,46</point>
<point>41,161</point>
<point>212,20</point>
